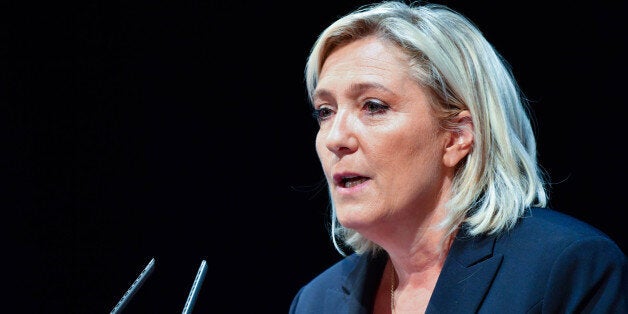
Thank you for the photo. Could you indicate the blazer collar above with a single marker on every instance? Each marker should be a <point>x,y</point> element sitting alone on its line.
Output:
<point>359,286</point>
<point>465,278</point>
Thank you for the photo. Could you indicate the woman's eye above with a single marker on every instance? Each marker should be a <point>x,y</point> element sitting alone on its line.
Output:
<point>375,107</point>
<point>322,114</point>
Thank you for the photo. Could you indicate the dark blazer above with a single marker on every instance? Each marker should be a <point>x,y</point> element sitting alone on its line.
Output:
<point>549,263</point>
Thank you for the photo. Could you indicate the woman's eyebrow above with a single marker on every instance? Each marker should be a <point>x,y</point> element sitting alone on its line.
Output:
<point>353,90</point>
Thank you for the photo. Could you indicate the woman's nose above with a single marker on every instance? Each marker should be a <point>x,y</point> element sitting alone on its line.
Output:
<point>341,138</point>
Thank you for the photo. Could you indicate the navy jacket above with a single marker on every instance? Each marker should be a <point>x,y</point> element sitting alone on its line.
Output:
<point>549,263</point>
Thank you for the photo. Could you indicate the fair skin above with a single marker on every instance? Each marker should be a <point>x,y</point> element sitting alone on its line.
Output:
<point>388,163</point>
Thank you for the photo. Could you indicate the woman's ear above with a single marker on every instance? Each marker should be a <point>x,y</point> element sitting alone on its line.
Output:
<point>460,141</point>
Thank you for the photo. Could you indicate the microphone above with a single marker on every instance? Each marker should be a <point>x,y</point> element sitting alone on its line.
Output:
<point>196,287</point>
<point>134,287</point>
<point>189,303</point>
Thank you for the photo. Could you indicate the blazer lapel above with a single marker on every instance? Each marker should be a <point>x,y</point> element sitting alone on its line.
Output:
<point>358,287</point>
<point>466,276</point>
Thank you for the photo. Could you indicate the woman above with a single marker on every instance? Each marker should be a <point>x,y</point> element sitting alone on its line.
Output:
<point>438,202</point>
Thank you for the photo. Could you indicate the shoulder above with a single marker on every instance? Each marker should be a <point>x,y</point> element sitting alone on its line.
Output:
<point>545,233</point>
<point>550,222</point>
<point>561,247</point>
<point>546,229</point>
<point>570,256</point>
<point>558,262</point>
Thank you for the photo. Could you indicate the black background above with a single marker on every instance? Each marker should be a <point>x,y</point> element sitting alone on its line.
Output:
<point>180,131</point>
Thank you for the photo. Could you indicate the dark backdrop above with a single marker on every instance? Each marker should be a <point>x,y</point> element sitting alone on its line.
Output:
<point>180,131</point>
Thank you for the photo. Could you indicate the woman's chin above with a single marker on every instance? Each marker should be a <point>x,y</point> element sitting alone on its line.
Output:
<point>356,220</point>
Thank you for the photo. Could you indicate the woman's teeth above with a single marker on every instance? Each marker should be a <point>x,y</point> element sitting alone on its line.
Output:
<point>351,182</point>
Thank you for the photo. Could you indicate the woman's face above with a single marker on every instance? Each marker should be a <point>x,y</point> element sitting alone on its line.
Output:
<point>379,142</point>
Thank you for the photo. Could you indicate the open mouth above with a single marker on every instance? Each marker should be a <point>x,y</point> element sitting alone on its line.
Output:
<point>347,182</point>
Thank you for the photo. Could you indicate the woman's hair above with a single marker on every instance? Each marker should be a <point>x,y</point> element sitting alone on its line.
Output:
<point>500,177</point>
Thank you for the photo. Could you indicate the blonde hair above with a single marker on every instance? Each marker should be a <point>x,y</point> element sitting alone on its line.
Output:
<point>501,177</point>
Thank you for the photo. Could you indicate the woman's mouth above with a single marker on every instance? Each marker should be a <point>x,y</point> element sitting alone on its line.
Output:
<point>348,182</point>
